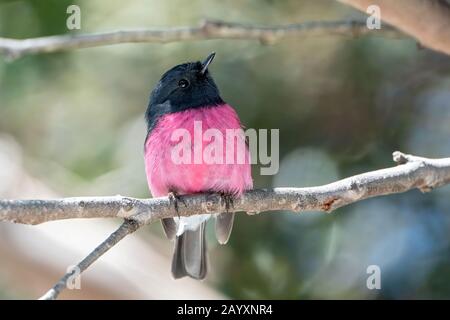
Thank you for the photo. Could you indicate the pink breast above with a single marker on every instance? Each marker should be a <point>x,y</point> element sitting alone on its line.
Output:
<point>163,175</point>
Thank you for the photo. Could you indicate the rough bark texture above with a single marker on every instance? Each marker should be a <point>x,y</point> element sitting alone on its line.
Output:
<point>414,172</point>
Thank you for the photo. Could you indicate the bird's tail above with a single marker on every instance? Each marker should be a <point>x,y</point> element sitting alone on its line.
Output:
<point>189,256</point>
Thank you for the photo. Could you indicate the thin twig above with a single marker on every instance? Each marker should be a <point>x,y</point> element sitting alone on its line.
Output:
<point>209,29</point>
<point>415,172</point>
<point>127,227</point>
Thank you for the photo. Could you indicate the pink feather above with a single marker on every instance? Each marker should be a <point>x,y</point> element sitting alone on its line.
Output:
<point>163,174</point>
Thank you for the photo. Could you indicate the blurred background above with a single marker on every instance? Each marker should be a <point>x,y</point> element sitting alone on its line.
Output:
<point>71,124</point>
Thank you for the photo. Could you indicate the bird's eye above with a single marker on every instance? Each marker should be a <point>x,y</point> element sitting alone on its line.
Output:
<point>183,83</point>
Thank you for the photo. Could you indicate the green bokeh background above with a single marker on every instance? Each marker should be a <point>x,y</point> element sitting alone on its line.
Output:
<point>342,105</point>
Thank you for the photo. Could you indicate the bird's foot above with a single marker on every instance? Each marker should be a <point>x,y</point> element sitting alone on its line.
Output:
<point>227,199</point>
<point>174,199</point>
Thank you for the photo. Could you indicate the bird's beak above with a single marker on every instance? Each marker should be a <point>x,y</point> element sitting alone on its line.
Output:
<point>207,62</point>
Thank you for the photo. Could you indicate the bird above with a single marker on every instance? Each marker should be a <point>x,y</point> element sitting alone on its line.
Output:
<point>185,96</point>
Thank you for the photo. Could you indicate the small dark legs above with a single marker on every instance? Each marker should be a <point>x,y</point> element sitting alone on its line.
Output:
<point>174,199</point>
<point>227,199</point>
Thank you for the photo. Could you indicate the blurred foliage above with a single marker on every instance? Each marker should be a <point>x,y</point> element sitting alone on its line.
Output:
<point>342,106</point>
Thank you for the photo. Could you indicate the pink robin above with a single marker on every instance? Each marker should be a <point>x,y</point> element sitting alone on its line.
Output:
<point>187,96</point>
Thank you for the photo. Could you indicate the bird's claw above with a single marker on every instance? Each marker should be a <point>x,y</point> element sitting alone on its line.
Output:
<point>227,199</point>
<point>174,199</point>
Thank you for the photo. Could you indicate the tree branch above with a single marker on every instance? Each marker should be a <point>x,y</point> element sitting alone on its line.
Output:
<point>412,172</point>
<point>129,226</point>
<point>426,20</point>
<point>415,172</point>
<point>209,29</point>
